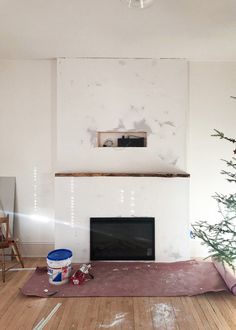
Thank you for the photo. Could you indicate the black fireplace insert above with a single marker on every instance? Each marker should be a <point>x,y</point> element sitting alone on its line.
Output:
<point>126,238</point>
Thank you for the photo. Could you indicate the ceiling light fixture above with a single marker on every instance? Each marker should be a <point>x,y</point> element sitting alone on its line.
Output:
<point>140,4</point>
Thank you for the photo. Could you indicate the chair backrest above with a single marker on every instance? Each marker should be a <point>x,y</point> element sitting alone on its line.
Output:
<point>4,230</point>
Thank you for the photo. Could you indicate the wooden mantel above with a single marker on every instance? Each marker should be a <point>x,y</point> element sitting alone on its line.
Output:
<point>92,174</point>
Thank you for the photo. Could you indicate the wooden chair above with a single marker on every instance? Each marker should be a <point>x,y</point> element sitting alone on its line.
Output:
<point>7,242</point>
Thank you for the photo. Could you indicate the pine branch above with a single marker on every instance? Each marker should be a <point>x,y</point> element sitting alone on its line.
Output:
<point>221,236</point>
<point>222,136</point>
<point>229,201</point>
<point>230,163</point>
<point>222,249</point>
<point>231,176</point>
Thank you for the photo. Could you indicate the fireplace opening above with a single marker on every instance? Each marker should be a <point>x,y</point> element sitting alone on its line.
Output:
<point>122,238</point>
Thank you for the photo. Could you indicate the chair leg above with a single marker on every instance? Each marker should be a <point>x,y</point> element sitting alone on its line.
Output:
<point>12,253</point>
<point>3,266</point>
<point>18,254</point>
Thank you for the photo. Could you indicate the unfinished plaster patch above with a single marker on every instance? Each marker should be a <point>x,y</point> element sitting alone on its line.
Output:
<point>136,109</point>
<point>169,158</point>
<point>142,126</point>
<point>93,136</point>
<point>120,126</point>
<point>175,255</point>
<point>168,123</point>
<point>174,161</point>
<point>164,315</point>
<point>161,157</point>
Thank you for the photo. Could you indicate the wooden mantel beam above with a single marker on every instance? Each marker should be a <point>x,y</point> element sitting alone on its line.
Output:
<point>92,174</point>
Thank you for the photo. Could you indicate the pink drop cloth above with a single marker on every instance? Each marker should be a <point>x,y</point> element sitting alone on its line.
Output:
<point>227,275</point>
<point>134,279</point>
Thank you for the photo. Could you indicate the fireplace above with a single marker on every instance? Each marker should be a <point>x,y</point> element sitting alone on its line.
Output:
<point>132,198</point>
<point>122,238</point>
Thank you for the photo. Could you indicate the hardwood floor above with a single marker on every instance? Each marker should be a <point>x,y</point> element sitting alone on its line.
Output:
<point>208,311</point>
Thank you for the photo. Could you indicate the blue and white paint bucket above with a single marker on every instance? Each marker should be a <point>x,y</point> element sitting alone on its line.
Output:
<point>59,266</point>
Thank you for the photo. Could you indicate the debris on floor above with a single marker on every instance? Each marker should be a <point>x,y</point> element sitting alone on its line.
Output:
<point>44,321</point>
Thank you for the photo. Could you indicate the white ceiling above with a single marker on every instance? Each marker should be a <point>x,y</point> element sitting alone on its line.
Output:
<point>194,29</point>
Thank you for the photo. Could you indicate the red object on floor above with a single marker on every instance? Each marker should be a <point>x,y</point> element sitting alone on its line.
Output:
<point>78,278</point>
<point>135,279</point>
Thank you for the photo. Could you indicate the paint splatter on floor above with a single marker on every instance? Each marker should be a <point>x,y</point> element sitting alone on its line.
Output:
<point>164,315</point>
<point>118,319</point>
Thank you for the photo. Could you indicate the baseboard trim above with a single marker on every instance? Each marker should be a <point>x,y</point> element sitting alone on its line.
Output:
<point>33,249</point>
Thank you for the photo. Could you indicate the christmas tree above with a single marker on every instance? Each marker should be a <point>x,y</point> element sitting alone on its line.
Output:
<point>221,236</point>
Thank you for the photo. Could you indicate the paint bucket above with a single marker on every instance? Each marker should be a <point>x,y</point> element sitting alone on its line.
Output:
<point>59,266</point>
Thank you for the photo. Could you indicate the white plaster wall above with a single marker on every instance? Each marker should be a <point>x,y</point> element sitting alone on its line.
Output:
<point>211,85</point>
<point>127,94</point>
<point>26,103</point>
<point>78,199</point>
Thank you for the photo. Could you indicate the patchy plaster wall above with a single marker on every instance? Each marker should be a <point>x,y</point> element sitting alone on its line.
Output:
<point>124,95</point>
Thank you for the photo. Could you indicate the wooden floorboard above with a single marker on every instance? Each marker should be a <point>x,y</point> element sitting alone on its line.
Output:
<point>207,311</point>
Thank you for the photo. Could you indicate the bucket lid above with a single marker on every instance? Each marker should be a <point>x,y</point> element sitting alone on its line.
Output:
<point>60,254</point>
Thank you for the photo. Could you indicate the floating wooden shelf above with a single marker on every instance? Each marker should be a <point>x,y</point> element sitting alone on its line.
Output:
<point>89,174</point>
